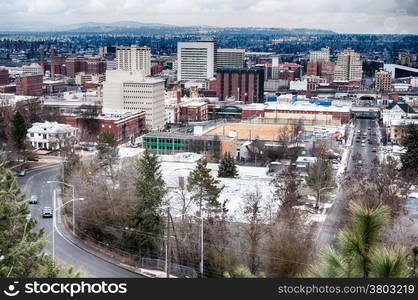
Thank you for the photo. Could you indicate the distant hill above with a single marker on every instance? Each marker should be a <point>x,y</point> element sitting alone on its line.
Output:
<point>132,27</point>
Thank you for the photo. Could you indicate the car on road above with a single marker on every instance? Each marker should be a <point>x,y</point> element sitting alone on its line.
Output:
<point>21,173</point>
<point>374,150</point>
<point>47,212</point>
<point>33,199</point>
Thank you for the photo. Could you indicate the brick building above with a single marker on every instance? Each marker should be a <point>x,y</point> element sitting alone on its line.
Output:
<point>88,65</point>
<point>323,69</point>
<point>246,85</point>
<point>383,81</point>
<point>193,111</point>
<point>29,85</point>
<point>124,124</point>
<point>4,76</point>
<point>308,113</point>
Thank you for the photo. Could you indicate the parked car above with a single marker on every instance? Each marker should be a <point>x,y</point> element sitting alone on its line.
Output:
<point>47,212</point>
<point>374,150</point>
<point>363,144</point>
<point>21,173</point>
<point>33,199</point>
<point>28,217</point>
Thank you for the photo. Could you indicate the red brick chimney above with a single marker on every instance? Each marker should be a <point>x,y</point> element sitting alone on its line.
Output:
<point>178,96</point>
<point>52,54</point>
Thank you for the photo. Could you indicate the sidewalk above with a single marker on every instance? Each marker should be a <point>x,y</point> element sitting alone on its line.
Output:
<point>63,229</point>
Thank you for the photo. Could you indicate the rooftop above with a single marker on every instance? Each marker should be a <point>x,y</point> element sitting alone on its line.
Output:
<point>186,136</point>
<point>50,127</point>
<point>116,114</point>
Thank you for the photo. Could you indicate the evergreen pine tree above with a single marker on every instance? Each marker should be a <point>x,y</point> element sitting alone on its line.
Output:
<point>358,251</point>
<point>20,247</point>
<point>410,158</point>
<point>107,147</point>
<point>205,193</point>
<point>19,131</point>
<point>203,187</point>
<point>106,144</point>
<point>227,167</point>
<point>146,218</point>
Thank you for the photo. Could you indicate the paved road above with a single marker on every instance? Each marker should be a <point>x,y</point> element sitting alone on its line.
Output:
<point>328,231</point>
<point>67,254</point>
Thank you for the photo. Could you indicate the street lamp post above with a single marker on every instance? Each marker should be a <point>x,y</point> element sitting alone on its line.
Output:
<point>54,223</point>
<point>73,198</point>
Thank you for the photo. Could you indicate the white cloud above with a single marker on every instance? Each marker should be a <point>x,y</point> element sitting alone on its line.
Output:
<point>46,7</point>
<point>344,16</point>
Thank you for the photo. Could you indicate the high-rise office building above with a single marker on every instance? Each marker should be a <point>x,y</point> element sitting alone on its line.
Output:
<point>246,85</point>
<point>135,92</point>
<point>196,60</point>
<point>230,58</point>
<point>321,55</point>
<point>134,58</point>
<point>348,66</point>
<point>383,81</point>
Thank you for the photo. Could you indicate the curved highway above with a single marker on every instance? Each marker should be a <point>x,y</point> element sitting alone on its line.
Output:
<point>67,254</point>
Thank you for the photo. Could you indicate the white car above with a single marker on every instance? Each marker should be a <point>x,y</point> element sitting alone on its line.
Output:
<point>363,144</point>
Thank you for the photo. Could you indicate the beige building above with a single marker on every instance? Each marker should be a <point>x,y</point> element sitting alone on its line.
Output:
<point>348,66</point>
<point>134,92</point>
<point>230,58</point>
<point>134,58</point>
<point>383,81</point>
<point>398,130</point>
<point>321,55</point>
<point>82,77</point>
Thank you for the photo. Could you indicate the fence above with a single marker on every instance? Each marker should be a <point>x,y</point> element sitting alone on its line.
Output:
<point>127,257</point>
<point>155,263</point>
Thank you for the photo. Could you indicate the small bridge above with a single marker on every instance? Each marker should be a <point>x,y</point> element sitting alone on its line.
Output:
<point>365,112</point>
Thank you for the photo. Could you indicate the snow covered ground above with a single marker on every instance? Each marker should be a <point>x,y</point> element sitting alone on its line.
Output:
<point>177,167</point>
<point>234,190</point>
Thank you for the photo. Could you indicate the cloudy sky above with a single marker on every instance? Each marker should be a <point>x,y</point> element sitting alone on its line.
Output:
<point>359,16</point>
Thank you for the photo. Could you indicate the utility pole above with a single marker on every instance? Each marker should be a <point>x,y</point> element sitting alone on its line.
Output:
<point>201,239</point>
<point>167,245</point>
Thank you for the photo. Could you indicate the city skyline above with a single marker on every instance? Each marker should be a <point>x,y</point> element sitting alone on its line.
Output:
<point>371,17</point>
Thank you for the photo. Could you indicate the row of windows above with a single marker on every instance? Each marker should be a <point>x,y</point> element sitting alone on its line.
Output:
<point>137,91</point>
<point>135,97</point>
<point>162,140</point>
